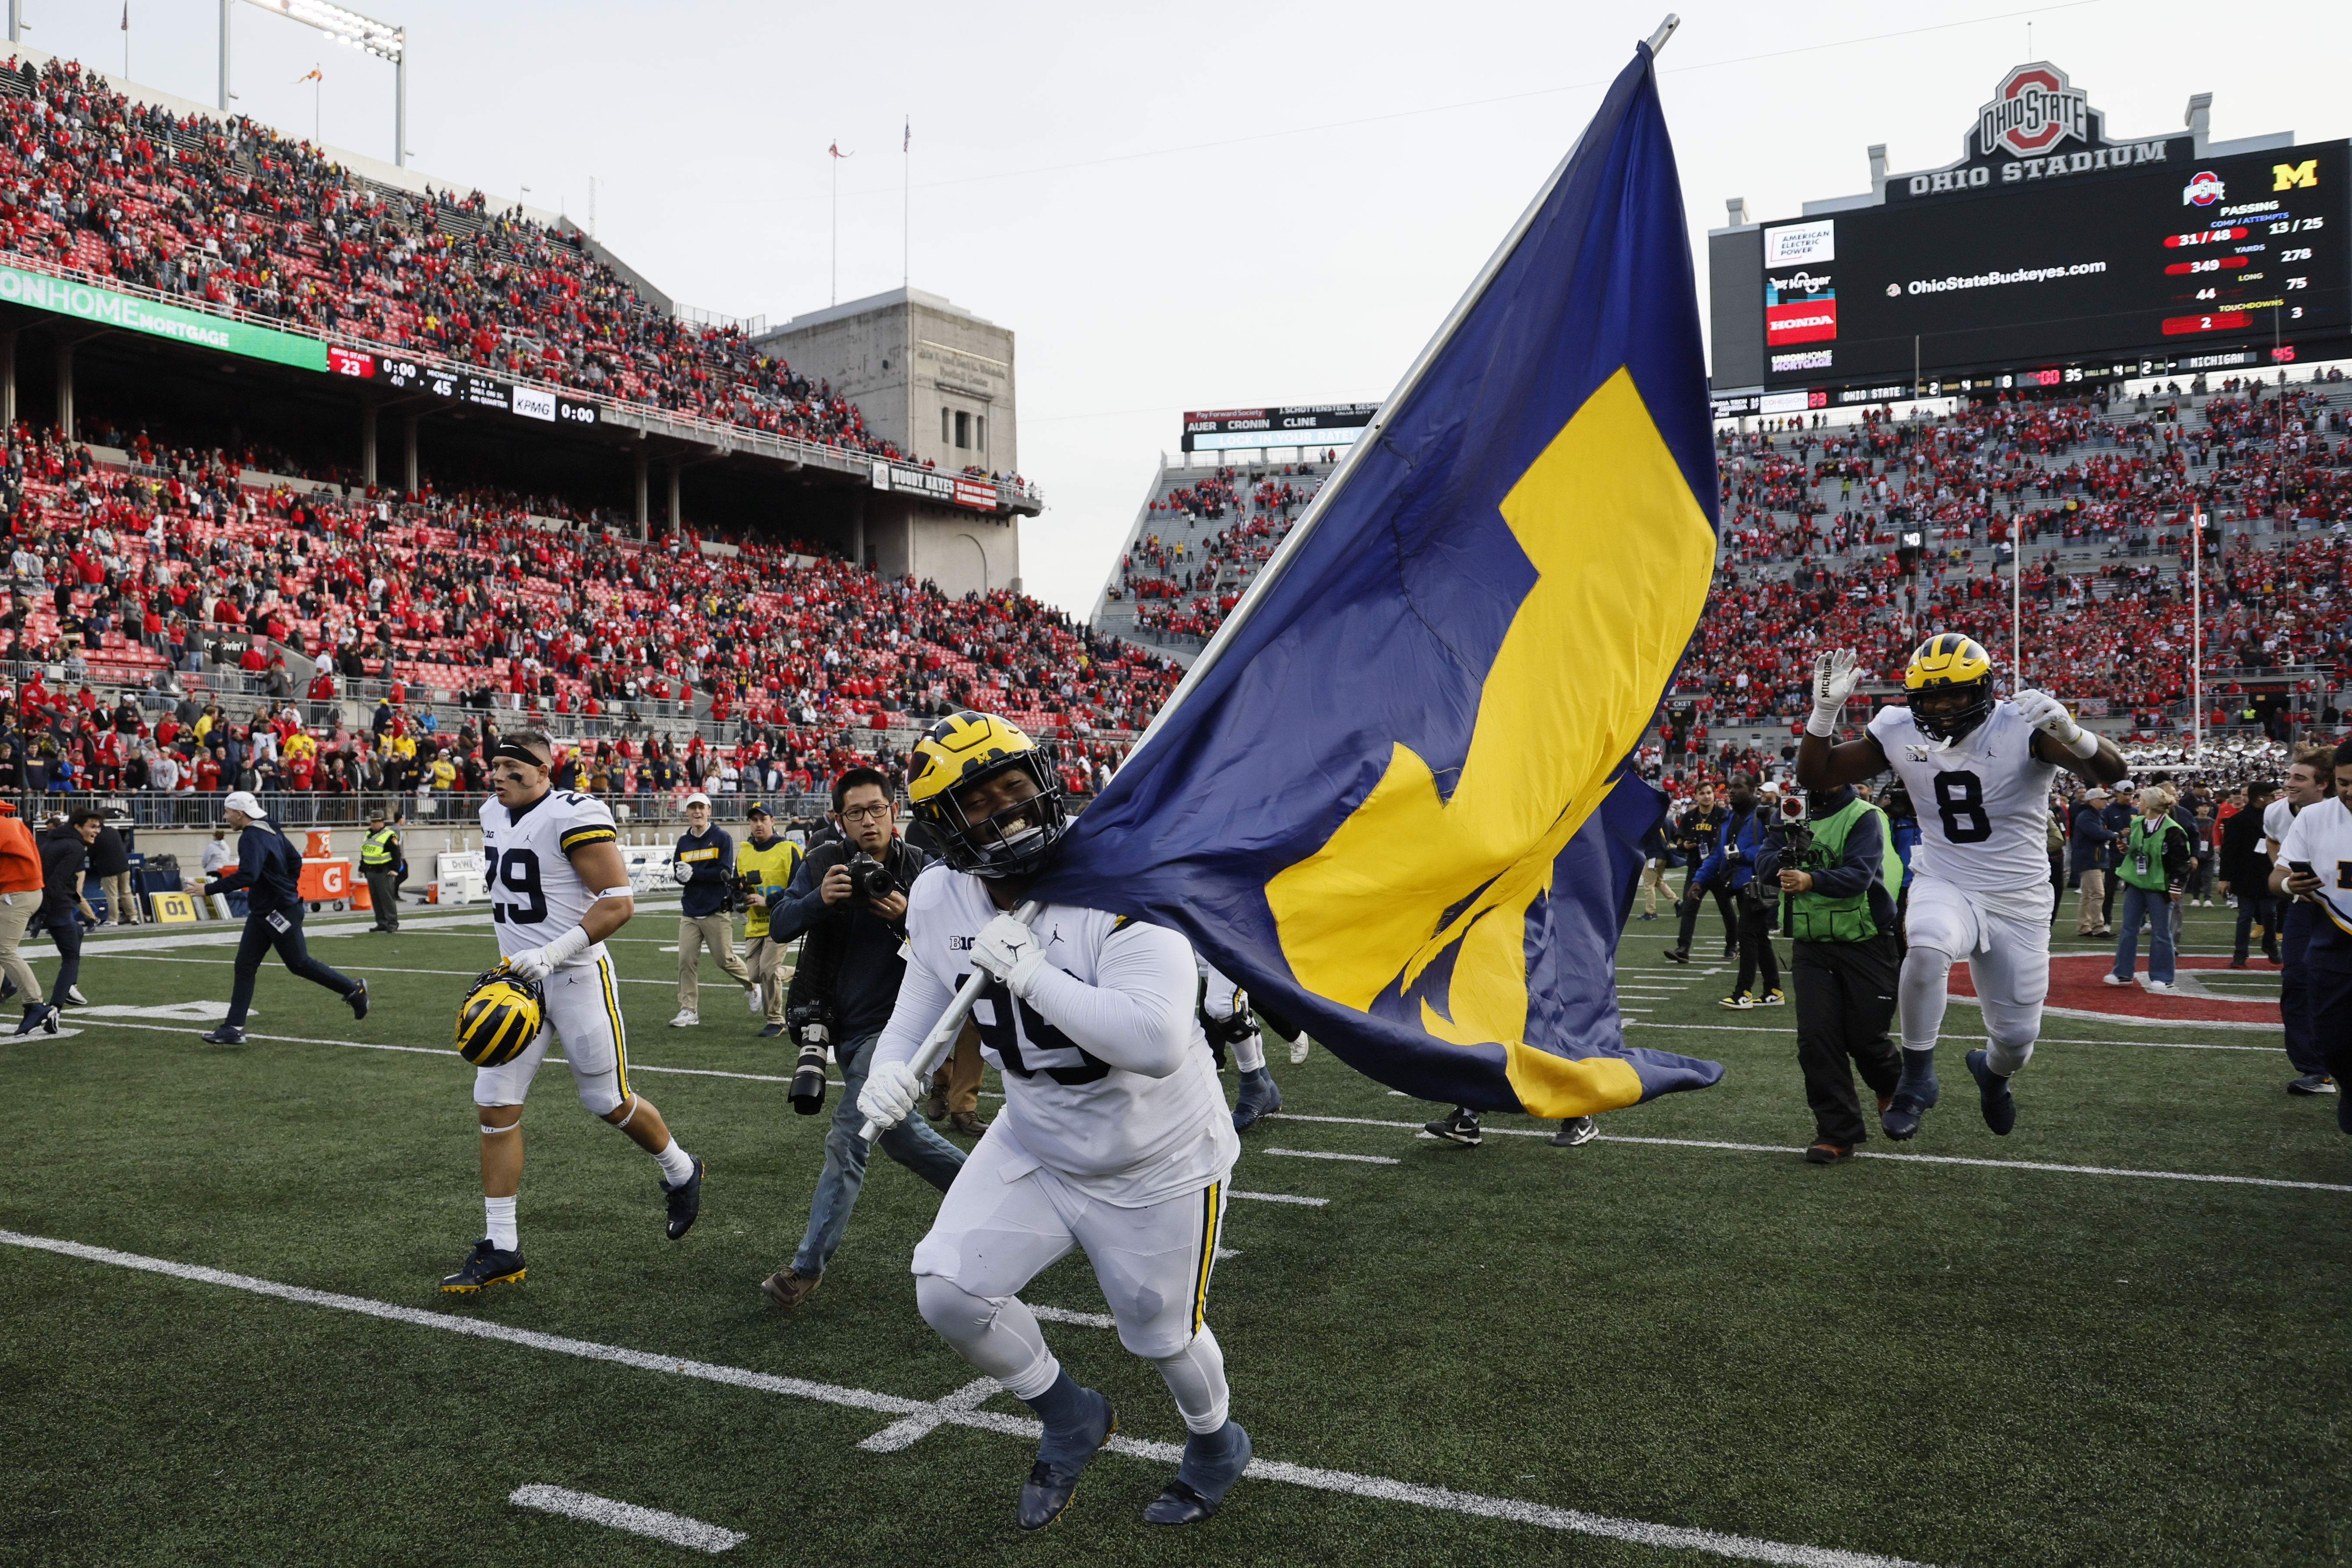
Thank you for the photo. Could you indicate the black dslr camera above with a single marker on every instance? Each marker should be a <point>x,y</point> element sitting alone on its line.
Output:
<point>869,878</point>
<point>810,1023</point>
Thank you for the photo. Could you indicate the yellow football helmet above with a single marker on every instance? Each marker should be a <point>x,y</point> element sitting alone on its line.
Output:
<point>1950,682</point>
<point>966,749</point>
<point>501,1016</point>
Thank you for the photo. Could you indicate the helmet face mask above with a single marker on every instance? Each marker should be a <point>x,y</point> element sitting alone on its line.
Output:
<point>990,796</point>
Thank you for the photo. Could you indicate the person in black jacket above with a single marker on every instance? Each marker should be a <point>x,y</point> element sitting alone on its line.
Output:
<point>851,965</point>
<point>2248,872</point>
<point>109,861</point>
<point>269,870</point>
<point>65,856</point>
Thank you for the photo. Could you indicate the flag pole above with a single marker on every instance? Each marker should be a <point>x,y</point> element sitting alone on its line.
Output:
<point>1287,552</point>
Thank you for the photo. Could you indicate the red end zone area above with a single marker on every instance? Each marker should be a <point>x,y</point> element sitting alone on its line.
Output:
<point>2076,991</point>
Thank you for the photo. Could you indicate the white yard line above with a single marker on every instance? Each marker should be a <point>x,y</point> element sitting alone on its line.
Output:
<point>1865,1153</point>
<point>2061,1012</point>
<point>954,1411</point>
<point>349,969</point>
<point>1321,1155</point>
<point>674,1528</point>
<point>1280,1197</point>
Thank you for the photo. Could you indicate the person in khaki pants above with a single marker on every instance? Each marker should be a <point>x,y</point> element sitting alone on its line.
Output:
<point>706,860</point>
<point>955,1087</point>
<point>21,885</point>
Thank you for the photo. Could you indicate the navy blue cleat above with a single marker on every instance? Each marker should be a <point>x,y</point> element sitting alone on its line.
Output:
<point>1212,1463</point>
<point>685,1201</point>
<point>1260,1096</point>
<point>1901,1117</point>
<point>488,1265</point>
<point>359,1002</point>
<point>227,1034</point>
<point>1993,1097</point>
<point>42,1016</point>
<point>1054,1478</point>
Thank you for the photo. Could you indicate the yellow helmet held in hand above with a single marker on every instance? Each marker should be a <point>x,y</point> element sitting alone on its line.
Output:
<point>1950,682</point>
<point>968,748</point>
<point>501,1014</point>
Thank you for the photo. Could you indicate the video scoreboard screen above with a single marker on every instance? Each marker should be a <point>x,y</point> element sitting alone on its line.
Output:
<point>2179,265</point>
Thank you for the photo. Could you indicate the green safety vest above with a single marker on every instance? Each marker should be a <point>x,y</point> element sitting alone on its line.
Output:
<point>375,850</point>
<point>2143,863</point>
<point>1816,917</point>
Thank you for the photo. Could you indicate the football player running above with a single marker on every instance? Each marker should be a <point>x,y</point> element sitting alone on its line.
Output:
<point>1114,1137</point>
<point>1226,1020</point>
<point>558,888</point>
<point>1980,771</point>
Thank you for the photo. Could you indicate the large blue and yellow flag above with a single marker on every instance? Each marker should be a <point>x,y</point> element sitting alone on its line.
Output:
<point>1391,797</point>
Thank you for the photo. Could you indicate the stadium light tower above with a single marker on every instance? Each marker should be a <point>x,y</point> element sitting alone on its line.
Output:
<point>384,40</point>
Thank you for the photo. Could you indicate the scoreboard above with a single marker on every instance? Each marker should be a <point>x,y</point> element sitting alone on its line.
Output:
<point>2247,251</point>
<point>2050,252</point>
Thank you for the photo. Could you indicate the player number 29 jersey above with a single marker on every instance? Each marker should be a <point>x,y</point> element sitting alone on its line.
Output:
<point>535,895</point>
<point>1983,804</point>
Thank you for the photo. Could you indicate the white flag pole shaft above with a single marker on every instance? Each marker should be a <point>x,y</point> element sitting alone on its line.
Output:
<point>1287,552</point>
<point>942,1038</point>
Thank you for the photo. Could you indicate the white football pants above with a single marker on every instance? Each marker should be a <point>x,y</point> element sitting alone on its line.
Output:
<point>994,1235</point>
<point>2006,943</point>
<point>584,1011</point>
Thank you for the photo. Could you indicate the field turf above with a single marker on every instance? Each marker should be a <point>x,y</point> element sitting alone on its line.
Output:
<point>1647,1353</point>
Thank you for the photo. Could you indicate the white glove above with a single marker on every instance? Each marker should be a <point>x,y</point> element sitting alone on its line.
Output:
<point>2048,715</point>
<point>891,1093</point>
<point>680,872</point>
<point>1009,951</point>
<point>541,962</point>
<point>1834,678</point>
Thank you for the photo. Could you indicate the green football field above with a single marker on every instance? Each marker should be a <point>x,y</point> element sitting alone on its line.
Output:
<point>1678,1344</point>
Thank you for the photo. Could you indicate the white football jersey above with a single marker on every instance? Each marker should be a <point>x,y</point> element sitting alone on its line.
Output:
<point>535,895</point>
<point>1125,1139</point>
<point>1983,804</point>
<point>2321,838</point>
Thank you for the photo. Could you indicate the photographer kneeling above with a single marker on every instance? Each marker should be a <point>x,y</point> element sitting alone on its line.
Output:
<point>1837,870</point>
<point>850,898</point>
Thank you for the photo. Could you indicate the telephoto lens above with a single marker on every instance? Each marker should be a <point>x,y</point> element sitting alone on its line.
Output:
<point>807,1091</point>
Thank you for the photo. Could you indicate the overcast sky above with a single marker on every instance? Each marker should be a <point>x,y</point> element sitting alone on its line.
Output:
<point>1173,207</point>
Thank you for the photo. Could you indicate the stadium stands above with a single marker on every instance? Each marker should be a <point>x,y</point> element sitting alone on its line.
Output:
<point>240,219</point>
<point>2097,496</point>
<point>669,664</point>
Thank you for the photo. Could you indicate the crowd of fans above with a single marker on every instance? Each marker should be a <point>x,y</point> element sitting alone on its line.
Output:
<point>239,216</point>
<point>204,634</point>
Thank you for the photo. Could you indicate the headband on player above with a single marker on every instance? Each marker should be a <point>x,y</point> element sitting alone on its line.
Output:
<point>522,754</point>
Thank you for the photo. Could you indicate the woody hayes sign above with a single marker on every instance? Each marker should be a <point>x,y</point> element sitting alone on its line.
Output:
<point>2032,111</point>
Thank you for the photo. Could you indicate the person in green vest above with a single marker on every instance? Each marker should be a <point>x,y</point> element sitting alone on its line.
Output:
<point>379,863</point>
<point>2153,862</point>
<point>1838,871</point>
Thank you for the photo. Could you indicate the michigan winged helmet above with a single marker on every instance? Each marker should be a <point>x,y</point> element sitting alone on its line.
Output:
<point>501,1016</point>
<point>968,748</point>
<point>1949,680</point>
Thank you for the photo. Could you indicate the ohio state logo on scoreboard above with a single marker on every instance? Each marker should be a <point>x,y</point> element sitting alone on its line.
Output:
<point>2032,111</point>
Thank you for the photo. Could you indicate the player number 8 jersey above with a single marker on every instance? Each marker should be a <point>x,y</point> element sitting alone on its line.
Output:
<point>1983,803</point>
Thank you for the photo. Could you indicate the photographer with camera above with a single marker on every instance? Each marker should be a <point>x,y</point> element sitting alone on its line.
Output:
<point>1837,872</point>
<point>704,867</point>
<point>849,898</point>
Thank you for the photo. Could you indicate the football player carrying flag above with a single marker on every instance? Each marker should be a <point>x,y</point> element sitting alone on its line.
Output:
<point>1392,797</point>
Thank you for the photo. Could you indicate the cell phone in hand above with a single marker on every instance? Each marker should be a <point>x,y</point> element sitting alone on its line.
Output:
<point>2301,868</point>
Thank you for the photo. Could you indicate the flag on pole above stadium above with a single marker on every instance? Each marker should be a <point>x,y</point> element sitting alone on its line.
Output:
<point>1393,795</point>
